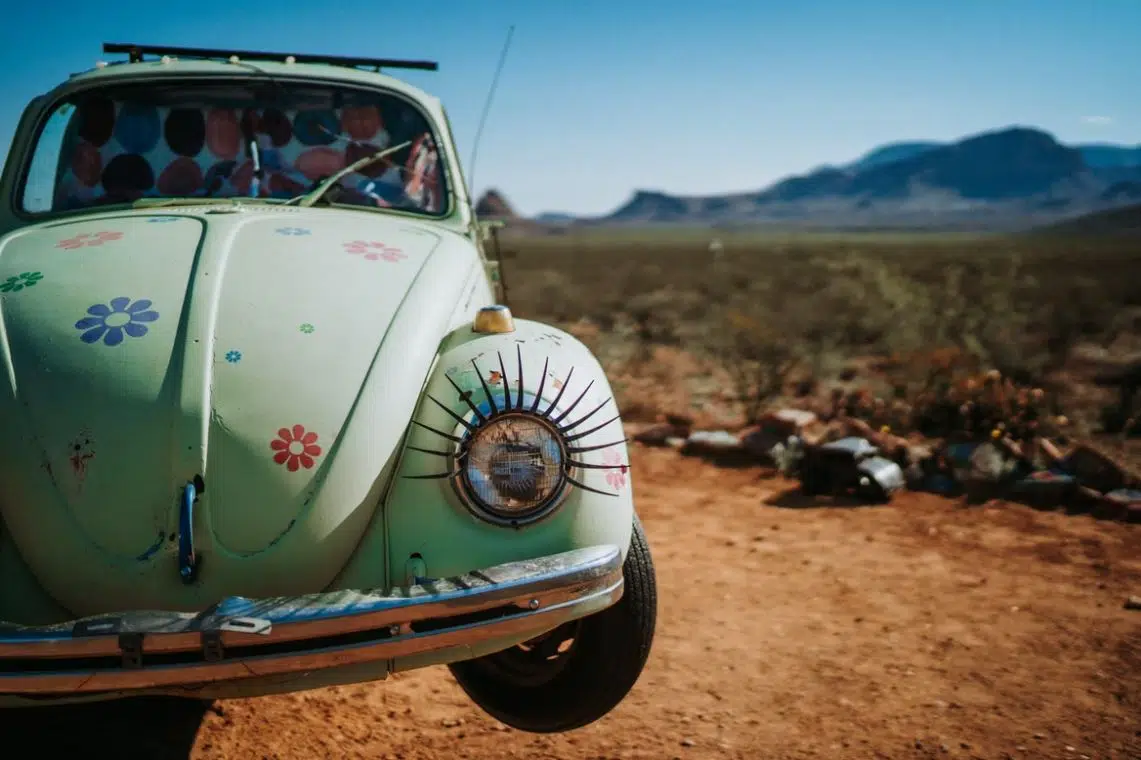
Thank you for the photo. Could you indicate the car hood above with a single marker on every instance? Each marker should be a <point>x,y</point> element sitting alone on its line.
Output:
<point>143,351</point>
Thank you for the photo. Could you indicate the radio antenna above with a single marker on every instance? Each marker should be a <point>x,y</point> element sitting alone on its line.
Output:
<point>487,105</point>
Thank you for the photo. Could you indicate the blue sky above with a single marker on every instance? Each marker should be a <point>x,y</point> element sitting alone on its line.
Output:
<point>599,98</point>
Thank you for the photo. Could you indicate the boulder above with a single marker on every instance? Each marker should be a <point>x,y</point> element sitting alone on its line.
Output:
<point>660,433</point>
<point>788,422</point>
<point>1097,470</point>
<point>718,445</point>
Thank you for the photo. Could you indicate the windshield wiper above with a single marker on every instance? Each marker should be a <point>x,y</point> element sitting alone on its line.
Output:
<point>314,195</point>
<point>163,202</point>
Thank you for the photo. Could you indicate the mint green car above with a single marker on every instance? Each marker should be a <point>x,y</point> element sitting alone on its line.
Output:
<point>265,427</point>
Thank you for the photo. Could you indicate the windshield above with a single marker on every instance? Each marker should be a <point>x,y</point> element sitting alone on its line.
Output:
<point>265,140</point>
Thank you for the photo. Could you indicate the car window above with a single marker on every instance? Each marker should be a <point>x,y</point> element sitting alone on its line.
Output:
<point>118,144</point>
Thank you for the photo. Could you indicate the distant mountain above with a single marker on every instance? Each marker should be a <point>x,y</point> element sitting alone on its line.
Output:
<point>1110,156</point>
<point>492,205</point>
<point>886,154</point>
<point>555,217</point>
<point>1011,178</point>
<point>1118,222</point>
<point>1096,155</point>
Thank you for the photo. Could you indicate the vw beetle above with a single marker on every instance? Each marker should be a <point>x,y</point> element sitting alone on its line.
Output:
<point>265,427</point>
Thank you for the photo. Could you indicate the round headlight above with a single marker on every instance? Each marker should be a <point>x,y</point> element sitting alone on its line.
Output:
<point>513,468</point>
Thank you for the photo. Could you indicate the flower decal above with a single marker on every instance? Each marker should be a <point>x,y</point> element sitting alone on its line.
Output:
<point>295,231</point>
<point>295,448</point>
<point>374,250</point>
<point>307,328</point>
<point>233,357</point>
<point>615,477</point>
<point>88,239</point>
<point>19,282</point>
<point>111,322</point>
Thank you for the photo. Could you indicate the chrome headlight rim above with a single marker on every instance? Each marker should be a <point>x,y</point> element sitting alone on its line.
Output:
<point>468,493</point>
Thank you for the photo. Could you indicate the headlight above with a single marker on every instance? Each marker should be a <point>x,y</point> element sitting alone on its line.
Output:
<point>511,462</point>
<point>513,468</point>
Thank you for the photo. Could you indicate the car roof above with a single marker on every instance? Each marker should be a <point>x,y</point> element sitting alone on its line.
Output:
<point>327,72</point>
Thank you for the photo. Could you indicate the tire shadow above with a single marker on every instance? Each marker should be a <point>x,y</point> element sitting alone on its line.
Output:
<point>163,728</point>
<point>794,498</point>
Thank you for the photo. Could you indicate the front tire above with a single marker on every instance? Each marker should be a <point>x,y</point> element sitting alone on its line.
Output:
<point>579,672</point>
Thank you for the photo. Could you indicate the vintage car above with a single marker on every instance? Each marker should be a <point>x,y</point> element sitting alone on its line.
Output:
<point>267,424</point>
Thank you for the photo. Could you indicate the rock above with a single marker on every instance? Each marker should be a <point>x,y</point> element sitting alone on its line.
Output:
<point>760,443</point>
<point>659,434</point>
<point>1126,496</point>
<point>989,463</point>
<point>717,445</point>
<point>1133,603</point>
<point>1098,470</point>
<point>1045,489</point>
<point>786,422</point>
<point>713,440</point>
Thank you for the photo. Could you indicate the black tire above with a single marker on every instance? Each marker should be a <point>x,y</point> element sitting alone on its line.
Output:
<point>541,688</point>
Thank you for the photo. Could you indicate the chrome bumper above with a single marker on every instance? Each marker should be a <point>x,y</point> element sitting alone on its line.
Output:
<point>248,638</point>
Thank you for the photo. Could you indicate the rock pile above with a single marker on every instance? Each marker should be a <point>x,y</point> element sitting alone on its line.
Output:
<point>1035,470</point>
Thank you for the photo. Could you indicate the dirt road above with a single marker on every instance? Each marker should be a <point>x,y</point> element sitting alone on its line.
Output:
<point>920,629</point>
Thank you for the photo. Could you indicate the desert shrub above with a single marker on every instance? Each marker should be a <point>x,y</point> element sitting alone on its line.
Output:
<point>914,319</point>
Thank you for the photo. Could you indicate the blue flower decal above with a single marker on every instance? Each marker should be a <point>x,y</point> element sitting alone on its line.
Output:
<point>110,322</point>
<point>162,219</point>
<point>233,357</point>
<point>291,231</point>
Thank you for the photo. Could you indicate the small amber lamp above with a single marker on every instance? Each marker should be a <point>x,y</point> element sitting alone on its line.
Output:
<point>494,319</point>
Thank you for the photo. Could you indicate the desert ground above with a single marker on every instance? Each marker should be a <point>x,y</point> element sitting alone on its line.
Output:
<point>787,629</point>
<point>791,627</point>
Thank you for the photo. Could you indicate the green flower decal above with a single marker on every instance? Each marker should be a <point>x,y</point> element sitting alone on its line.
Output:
<point>307,328</point>
<point>19,282</point>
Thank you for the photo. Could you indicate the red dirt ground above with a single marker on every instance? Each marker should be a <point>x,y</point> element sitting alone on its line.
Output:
<point>921,629</point>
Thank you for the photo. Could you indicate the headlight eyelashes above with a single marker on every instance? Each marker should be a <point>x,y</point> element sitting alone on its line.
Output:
<point>513,463</point>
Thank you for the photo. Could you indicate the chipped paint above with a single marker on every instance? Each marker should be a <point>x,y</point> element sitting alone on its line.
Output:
<point>153,548</point>
<point>82,453</point>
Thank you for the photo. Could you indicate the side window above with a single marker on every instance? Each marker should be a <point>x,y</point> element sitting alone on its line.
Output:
<point>43,173</point>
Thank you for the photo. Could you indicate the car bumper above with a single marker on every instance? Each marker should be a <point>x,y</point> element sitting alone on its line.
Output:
<point>256,638</point>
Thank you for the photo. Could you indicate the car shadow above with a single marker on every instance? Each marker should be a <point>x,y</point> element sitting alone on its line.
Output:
<point>794,498</point>
<point>143,727</point>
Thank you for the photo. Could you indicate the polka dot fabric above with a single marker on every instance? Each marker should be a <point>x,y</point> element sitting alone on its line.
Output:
<point>126,151</point>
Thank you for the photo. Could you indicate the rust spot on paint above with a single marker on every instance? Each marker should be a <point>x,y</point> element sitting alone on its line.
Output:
<point>81,454</point>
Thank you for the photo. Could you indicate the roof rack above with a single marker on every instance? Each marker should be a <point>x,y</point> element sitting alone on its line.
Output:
<point>136,53</point>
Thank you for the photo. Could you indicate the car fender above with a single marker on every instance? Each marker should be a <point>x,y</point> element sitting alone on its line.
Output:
<point>431,532</point>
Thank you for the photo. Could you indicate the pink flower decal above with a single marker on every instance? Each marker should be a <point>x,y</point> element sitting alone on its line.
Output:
<point>88,239</point>
<point>617,476</point>
<point>295,448</point>
<point>374,250</point>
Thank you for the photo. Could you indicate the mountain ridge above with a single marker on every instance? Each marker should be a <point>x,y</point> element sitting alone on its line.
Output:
<point>1007,178</point>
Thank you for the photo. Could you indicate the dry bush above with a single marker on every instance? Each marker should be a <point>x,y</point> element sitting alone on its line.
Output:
<point>761,314</point>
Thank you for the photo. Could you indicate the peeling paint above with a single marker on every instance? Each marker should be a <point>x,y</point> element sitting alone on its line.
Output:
<point>153,548</point>
<point>82,453</point>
